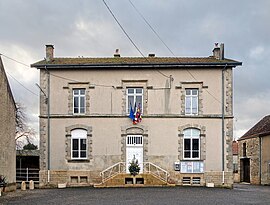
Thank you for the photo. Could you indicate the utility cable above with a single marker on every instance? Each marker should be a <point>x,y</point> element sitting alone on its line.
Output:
<point>130,39</point>
<point>1,54</point>
<point>14,60</point>
<point>154,31</point>
<point>21,84</point>
<point>57,76</point>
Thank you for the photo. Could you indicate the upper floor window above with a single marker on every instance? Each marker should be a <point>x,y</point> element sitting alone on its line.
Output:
<point>78,101</point>
<point>134,95</point>
<point>78,144</point>
<point>191,144</point>
<point>244,149</point>
<point>191,102</point>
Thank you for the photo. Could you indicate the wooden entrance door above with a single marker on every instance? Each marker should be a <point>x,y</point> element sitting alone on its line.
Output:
<point>245,170</point>
<point>134,149</point>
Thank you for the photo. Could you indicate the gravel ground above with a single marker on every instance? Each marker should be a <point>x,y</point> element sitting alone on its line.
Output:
<point>241,194</point>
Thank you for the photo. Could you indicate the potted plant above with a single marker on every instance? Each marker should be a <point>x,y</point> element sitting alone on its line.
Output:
<point>3,182</point>
<point>134,168</point>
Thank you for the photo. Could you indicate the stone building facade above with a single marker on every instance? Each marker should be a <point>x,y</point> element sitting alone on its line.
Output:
<point>254,155</point>
<point>85,127</point>
<point>7,131</point>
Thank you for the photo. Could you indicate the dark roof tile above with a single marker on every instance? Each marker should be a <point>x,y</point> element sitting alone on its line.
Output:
<point>134,61</point>
<point>262,128</point>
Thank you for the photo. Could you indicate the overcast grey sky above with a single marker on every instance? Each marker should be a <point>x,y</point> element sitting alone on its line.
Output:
<point>190,28</point>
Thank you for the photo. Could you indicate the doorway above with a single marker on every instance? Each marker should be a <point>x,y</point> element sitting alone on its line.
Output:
<point>134,149</point>
<point>245,170</point>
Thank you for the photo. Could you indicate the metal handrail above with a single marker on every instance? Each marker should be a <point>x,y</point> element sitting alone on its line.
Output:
<point>113,170</point>
<point>157,171</point>
<point>120,167</point>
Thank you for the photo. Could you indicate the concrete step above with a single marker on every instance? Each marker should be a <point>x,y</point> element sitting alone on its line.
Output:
<point>127,180</point>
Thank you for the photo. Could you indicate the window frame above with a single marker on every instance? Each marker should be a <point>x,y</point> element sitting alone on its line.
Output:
<point>191,137</point>
<point>191,96</point>
<point>135,95</point>
<point>74,135</point>
<point>79,101</point>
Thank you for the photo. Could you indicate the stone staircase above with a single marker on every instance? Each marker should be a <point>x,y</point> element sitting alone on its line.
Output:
<point>116,176</point>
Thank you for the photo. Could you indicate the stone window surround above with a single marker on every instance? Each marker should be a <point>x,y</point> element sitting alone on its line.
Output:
<point>181,140</point>
<point>134,130</point>
<point>191,85</point>
<point>68,142</point>
<point>78,85</point>
<point>134,84</point>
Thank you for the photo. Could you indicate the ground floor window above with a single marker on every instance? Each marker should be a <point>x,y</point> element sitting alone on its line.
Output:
<point>191,144</point>
<point>79,144</point>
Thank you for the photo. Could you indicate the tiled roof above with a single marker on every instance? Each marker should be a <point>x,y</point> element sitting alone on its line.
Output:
<point>262,128</point>
<point>122,61</point>
<point>235,148</point>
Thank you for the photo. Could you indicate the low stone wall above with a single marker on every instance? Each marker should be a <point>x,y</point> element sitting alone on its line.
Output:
<point>89,178</point>
<point>9,187</point>
<point>70,178</point>
<point>236,177</point>
<point>216,178</point>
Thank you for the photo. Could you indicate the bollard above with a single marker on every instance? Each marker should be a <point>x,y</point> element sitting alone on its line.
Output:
<point>23,186</point>
<point>31,185</point>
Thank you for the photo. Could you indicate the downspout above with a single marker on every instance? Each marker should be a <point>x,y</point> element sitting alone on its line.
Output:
<point>260,161</point>
<point>48,121</point>
<point>222,126</point>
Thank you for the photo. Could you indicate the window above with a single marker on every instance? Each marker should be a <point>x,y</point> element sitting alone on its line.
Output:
<point>78,101</point>
<point>78,144</point>
<point>191,144</point>
<point>134,95</point>
<point>244,149</point>
<point>191,102</point>
<point>134,140</point>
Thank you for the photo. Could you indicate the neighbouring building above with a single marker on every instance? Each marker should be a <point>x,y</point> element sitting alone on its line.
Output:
<point>254,154</point>
<point>186,129</point>
<point>7,131</point>
<point>235,160</point>
<point>27,165</point>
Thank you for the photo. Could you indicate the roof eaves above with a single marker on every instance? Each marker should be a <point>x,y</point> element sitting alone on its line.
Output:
<point>144,65</point>
<point>262,134</point>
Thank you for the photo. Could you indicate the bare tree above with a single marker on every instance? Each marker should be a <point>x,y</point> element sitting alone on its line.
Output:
<point>23,131</point>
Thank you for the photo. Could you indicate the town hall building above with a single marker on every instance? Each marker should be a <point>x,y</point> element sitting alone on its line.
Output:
<point>172,114</point>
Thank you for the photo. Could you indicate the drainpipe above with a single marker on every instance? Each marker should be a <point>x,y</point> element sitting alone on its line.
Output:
<point>260,161</point>
<point>48,121</point>
<point>222,125</point>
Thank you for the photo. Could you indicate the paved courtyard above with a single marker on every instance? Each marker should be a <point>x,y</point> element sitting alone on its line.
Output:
<point>241,194</point>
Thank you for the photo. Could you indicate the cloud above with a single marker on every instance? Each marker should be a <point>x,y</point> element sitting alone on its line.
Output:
<point>190,28</point>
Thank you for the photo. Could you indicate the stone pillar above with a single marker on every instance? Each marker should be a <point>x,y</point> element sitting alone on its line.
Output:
<point>31,185</point>
<point>23,186</point>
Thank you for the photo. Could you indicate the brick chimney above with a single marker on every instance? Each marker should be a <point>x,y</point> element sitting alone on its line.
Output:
<point>218,52</point>
<point>49,52</point>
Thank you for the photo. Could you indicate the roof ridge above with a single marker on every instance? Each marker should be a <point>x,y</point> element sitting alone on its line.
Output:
<point>261,127</point>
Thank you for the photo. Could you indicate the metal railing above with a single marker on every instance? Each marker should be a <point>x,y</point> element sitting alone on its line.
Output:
<point>148,168</point>
<point>27,174</point>
<point>113,170</point>
<point>155,170</point>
